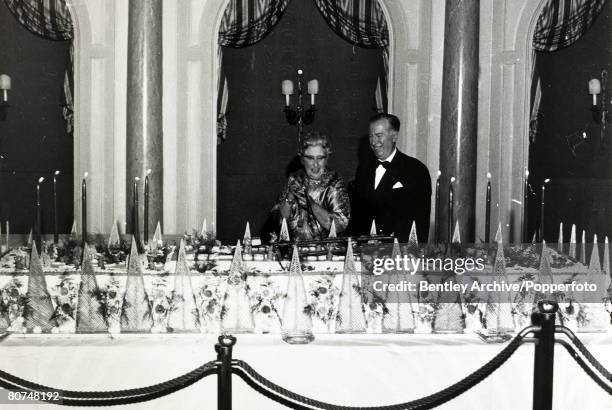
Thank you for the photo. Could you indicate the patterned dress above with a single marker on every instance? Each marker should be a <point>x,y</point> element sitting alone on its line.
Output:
<point>329,192</point>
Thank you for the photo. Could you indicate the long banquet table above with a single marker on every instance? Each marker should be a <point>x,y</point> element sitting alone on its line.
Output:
<point>366,369</point>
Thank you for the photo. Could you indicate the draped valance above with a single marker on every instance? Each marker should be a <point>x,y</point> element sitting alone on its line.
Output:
<point>563,22</point>
<point>51,20</point>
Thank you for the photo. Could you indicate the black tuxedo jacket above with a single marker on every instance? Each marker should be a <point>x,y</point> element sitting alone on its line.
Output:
<point>394,209</point>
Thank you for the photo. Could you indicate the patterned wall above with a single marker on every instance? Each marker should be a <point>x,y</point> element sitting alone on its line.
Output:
<point>252,163</point>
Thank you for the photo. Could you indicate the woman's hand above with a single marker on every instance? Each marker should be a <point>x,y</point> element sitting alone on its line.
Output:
<point>299,196</point>
<point>322,215</point>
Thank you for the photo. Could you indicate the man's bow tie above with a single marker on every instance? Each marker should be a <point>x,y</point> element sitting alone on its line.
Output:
<point>385,164</point>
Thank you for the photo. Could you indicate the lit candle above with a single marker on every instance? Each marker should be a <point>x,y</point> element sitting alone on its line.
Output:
<point>55,232</point>
<point>594,89</point>
<point>488,210</point>
<point>84,206</point>
<point>7,235</point>
<point>287,90</point>
<point>313,89</point>
<point>437,210</point>
<point>5,86</point>
<point>146,207</point>
<point>526,208</point>
<point>547,180</point>
<point>38,211</point>
<point>135,210</point>
<point>451,205</point>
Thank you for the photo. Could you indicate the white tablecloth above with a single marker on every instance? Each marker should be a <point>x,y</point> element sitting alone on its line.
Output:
<point>342,369</point>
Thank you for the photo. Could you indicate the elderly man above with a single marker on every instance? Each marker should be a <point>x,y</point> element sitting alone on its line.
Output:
<point>390,187</point>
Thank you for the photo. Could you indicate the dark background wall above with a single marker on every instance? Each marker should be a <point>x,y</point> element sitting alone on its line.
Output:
<point>580,190</point>
<point>33,138</point>
<point>260,143</point>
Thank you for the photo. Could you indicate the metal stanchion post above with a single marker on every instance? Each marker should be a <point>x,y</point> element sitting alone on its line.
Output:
<point>224,375</point>
<point>544,355</point>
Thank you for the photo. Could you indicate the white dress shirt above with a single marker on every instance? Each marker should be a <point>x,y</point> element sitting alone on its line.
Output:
<point>380,170</point>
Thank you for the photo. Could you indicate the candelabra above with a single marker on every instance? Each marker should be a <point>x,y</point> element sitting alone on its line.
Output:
<point>299,116</point>
<point>600,112</point>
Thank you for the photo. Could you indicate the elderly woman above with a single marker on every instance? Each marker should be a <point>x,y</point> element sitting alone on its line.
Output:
<point>315,195</point>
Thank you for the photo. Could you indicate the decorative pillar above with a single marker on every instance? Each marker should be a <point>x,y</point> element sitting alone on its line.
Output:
<point>459,115</point>
<point>144,145</point>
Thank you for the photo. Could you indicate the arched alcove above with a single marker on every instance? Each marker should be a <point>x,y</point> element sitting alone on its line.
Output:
<point>34,138</point>
<point>195,197</point>
<point>260,149</point>
<point>579,168</point>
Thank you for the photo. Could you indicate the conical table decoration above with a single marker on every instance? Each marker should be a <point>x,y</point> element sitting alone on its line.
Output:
<point>113,239</point>
<point>456,233</point>
<point>247,239</point>
<point>157,236</point>
<point>237,316</point>
<point>572,246</point>
<point>544,275</point>
<point>350,317</point>
<point>184,316</point>
<point>560,239</point>
<point>498,234</point>
<point>332,229</point>
<point>373,230</point>
<point>284,232</point>
<point>449,317</point>
<point>413,240</point>
<point>136,314</point>
<point>296,322</point>
<point>399,317</point>
<point>89,317</point>
<point>606,259</point>
<point>593,316</point>
<point>39,309</point>
<point>498,313</point>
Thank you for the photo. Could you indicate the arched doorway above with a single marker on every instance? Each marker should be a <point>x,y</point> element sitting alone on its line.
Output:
<point>254,160</point>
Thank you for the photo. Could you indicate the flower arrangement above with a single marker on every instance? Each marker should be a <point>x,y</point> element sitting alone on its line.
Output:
<point>210,305</point>
<point>324,298</point>
<point>70,252</point>
<point>265,299</point>
<point>110,304</point>
<point>12,303</point>
<point>64,294</point>
<point>161,304</point>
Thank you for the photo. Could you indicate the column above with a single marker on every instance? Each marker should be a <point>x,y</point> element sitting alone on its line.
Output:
<point>459,123</point>
<point>144,145</point>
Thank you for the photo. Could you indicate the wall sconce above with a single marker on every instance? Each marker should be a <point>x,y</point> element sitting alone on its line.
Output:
<point>600,111</point>
<point>299,116</point>
<point>5,86</point>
